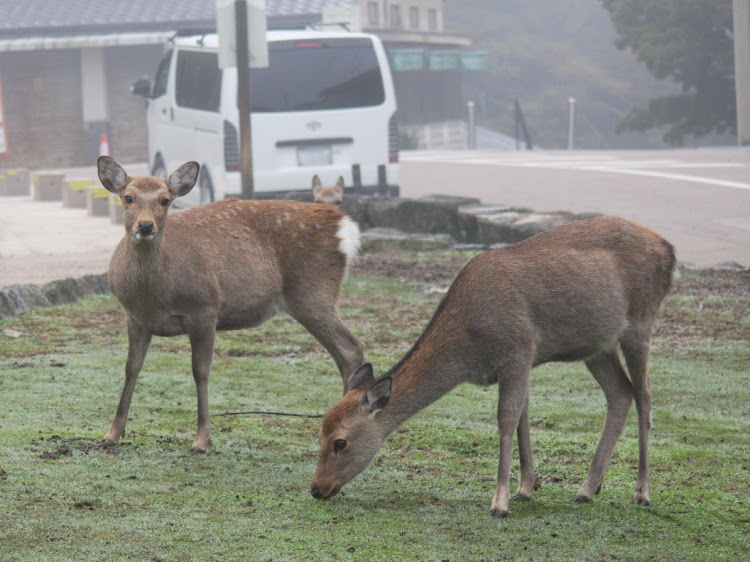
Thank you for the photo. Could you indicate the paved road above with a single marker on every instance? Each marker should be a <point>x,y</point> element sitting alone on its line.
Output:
<point>40,241</point>
<point>697,199</point>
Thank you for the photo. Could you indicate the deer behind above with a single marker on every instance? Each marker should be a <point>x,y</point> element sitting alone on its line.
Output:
<point>328,195</point>
<point>223,266</point>
<point>577,292</point>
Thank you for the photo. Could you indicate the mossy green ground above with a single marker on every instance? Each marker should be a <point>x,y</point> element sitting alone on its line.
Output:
<point>427,495</point>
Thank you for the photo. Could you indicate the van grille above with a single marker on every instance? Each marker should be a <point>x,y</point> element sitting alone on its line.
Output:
<point>393,140</point>
<point>231,148</point>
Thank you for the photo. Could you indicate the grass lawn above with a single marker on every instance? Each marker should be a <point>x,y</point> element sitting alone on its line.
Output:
<point>427,495</point>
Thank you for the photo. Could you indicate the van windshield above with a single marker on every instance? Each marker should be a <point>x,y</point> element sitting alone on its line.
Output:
<point>317,74</point>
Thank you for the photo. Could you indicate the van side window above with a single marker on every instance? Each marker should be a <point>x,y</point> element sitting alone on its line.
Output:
<point>198,80</point>
<point>162,75</point>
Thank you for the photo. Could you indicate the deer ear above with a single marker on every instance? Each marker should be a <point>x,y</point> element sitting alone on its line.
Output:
<point>361,378</point>
<point>377,396</point>
<point>182,180</point>
<point>315,181</point>
<point>111,174</point>
<point>340,183</point>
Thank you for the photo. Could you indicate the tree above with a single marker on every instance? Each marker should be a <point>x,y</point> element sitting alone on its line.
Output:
<point>691,42</point>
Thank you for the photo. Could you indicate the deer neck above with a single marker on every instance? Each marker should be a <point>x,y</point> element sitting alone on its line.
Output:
<point>145,258</point>
<point>138,267</point>
<point>427,373</point>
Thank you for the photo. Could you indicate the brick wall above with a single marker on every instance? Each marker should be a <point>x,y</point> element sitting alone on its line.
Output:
<point>125,65</point>
<point>41,94</point>
<point>43,106</point>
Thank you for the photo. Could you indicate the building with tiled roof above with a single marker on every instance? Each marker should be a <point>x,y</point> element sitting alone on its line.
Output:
<point>66,67</point>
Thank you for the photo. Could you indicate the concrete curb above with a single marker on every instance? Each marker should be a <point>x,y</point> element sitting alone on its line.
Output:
<point>19,299</point>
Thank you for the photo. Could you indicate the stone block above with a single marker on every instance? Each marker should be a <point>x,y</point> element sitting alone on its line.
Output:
<point>356,207</point>
<point>32,295</point>
<point>74,193</point>
<point>512,229</point>
<point>390,239</point>
<point>15,182</point>
<point>115,209</point>
<point>93,285</point>
<point>97,201</point>
<point>432,214</point>
<point>62,291</point>
<point>48,187</point>
<point>20,299</point>
<point>302,196</point>
<point>11,303</point>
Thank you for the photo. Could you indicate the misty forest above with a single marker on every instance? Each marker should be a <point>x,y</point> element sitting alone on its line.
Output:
<point>606,54</point>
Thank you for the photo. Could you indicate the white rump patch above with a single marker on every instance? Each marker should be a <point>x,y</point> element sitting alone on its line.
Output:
<point>349,242</point>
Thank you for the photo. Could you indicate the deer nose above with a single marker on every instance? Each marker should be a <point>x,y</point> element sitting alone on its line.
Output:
<point>145,228</point>
<point>316,494</point>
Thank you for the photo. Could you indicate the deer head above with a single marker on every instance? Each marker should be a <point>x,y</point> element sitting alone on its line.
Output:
<point>146,200</point>
<point>351,434</point>
<point>328,195</point>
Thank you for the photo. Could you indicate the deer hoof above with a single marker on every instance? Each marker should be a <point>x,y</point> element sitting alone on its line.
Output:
<point>638,500</point>
<point>499,513</point>
<point>581,499</point>
<point>194,450</point>
<point>520,498</point>
<point>106,444</point>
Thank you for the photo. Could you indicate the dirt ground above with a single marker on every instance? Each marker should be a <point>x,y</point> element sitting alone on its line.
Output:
<point>720,297</point>
<point>697,282</point>
<point>407,266</point>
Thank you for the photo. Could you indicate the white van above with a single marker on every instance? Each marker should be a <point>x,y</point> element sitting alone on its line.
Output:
<point>324,106</point>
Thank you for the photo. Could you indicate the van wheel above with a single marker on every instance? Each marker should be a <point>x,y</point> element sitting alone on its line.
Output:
<point>206,187</point>
<point>159,170</point>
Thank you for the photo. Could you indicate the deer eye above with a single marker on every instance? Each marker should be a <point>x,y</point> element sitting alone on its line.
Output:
<point>165,202</point>
<point>339,445</point>
<point>128,199</point>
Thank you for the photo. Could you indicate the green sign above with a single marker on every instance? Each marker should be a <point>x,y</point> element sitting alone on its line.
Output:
<point>474,61</point>
<point>443,60</point>
<point>407,59</point>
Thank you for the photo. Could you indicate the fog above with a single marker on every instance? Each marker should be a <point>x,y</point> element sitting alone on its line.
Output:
<point>67,67</point>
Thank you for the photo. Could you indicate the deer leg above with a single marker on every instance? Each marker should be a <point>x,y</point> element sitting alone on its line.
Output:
<point>527,484</point>
<point>139,340</point>
<point>328,328</point>
<point>608,372</point>
<point>513,390</point>
<point>636,356</point>
<point>202,340</point>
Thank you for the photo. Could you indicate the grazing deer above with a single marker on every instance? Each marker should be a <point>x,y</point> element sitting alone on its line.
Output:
<point>328,195</point>
<point>576,292</point>
<point>223,266</point>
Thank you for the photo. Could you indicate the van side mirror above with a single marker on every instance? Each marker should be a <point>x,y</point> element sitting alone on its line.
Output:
<point>141,87</point>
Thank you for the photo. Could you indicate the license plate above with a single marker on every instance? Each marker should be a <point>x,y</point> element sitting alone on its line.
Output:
<point>318,155</point>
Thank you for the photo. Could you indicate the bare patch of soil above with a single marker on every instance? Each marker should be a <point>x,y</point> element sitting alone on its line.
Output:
<point>409,266</point>
<point>717,306</point>
<point>707,305</point>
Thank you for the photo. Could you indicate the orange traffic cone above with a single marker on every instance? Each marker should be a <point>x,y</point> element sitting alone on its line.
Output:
<point>104,145</point>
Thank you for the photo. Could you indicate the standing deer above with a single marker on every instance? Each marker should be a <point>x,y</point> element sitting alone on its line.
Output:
<point>223,266</point>
<point>572,293</point>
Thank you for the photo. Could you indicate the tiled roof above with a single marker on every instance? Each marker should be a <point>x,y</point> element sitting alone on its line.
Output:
<point>296,7</point>
<point>23,18</point>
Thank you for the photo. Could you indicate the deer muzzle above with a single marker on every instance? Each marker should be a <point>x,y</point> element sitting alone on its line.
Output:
<point>323,494</point>
<point>146,230</point>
